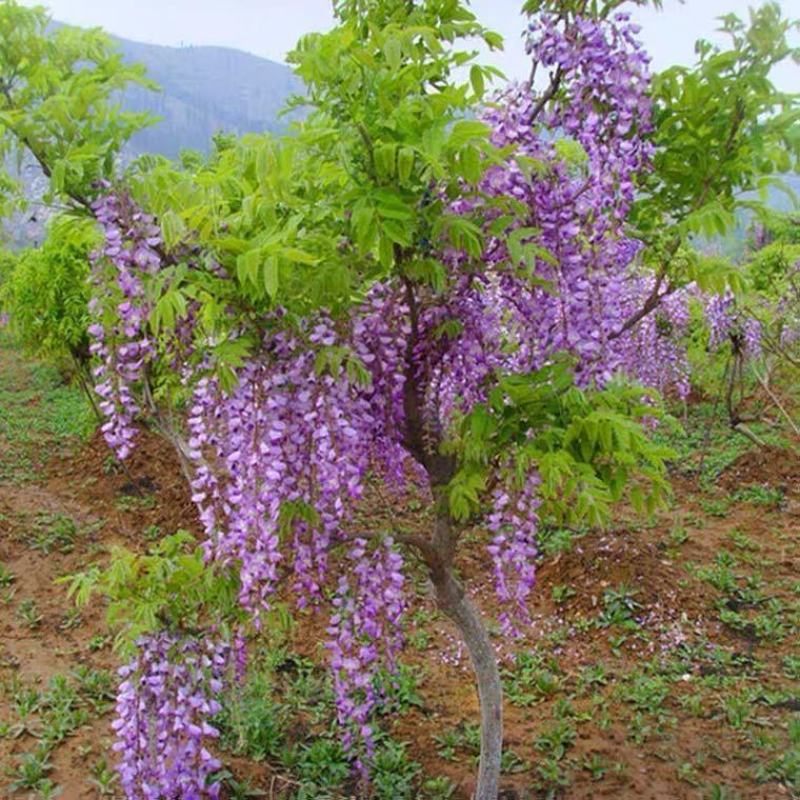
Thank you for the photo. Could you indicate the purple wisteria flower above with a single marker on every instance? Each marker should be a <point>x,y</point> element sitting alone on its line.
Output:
<point>167,695</point>
<point>120,342</point>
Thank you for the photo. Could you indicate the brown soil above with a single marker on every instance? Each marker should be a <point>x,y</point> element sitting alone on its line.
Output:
<point>767,466</point>
<point>73,483</point>
<point>673,609</point>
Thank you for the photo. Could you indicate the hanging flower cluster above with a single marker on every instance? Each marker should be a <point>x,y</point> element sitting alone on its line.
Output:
<point>726,323</point>
<point>283,454</point>
<point>578,202</point>
<point>365,635</point>
<point>167,695</point>
<point>280,460</point>
<point>605,105</point>
<point>653,352</point>
<point>513,522</point>
<point>120,308</point>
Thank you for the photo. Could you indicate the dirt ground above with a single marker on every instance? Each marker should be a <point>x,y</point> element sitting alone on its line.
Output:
<point>690,691</point>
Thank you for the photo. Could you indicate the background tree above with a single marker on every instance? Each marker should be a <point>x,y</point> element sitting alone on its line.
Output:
<point>723,135</point>
<point>46,293</point>
<point>58,100</point>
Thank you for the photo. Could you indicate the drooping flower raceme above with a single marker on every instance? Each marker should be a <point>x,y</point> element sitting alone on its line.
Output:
<point>120,308</point>
<point>365,634</point>
<point>654,351</point>
<point>285,454</point>
<point>168,693</point>
<point>727,323</point>
<point>579,202</point>
<point>513,523</point>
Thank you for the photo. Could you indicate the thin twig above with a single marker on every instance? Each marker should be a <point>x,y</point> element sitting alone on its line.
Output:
<point>707,434</point>
<point>129,475</point>
<point>169,432</point>
<point>549,94</point>
<point>86,388</point>
<point>765,385</point>
<point>745,431</point>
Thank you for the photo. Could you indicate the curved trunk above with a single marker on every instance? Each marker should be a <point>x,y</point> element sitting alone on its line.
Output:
<point>459,608</point>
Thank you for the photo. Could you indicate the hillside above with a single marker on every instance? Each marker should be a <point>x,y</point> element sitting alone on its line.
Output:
<point>205,89</point>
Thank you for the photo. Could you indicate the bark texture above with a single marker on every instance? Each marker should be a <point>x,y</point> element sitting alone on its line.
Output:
<point>459,608</point>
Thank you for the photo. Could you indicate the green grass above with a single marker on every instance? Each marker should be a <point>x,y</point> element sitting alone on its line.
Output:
<point>43,719</point>
<point>38,412</point>
<point>706,445</point>
<point>284,714</point>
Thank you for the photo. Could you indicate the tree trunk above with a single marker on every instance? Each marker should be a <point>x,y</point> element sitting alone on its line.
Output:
<point>454,602</point>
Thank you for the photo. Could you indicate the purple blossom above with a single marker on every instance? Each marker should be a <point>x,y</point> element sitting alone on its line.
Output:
<point>166,697</point>
<point>513,523</point>
<point>365,635</point>
<point>729,323</point>
<point>119,307</point>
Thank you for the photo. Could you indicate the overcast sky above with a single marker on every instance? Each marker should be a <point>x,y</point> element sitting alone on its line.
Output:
<point>269,28</point>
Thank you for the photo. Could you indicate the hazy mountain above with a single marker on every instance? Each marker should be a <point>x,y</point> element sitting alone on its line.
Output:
<point>203,90</point>
<point>734,244</point>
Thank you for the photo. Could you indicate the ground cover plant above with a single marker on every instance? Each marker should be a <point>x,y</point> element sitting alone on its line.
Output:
<point>453,308</point>
<point>646,685</point>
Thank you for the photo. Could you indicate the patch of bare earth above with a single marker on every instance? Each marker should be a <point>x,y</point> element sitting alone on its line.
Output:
<point>674,611</point>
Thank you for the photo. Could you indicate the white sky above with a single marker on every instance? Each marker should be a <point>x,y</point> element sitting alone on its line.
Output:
<point>269,28</point>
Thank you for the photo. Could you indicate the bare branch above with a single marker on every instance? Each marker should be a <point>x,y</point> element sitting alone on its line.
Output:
<point>549,94</point>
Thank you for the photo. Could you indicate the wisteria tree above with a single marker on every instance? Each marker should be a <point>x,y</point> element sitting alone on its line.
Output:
<point>422,286</point>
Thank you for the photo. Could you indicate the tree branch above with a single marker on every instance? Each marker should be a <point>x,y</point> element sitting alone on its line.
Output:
<point>440,468</point>
<point>549,94</point>
<point>654,299</point>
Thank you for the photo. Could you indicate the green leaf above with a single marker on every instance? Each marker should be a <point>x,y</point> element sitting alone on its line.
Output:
<point>247,267</point>
<point>405,163</point>
<point>298,256</point>
<point>476,79</point>
<point>173,228</point>
<point>465,131</point>
<point>386,251</point>
<point>170,306</point>
<point>58,176</point>
<point>385,156</point>
<point>493,40</point>
<point>364,225</point>
<point>470,162</point>
<point>465,234</point>
<point>271,276</point>
<point>392,206</point>
<point>393,52</point>
<point>397,232</point>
